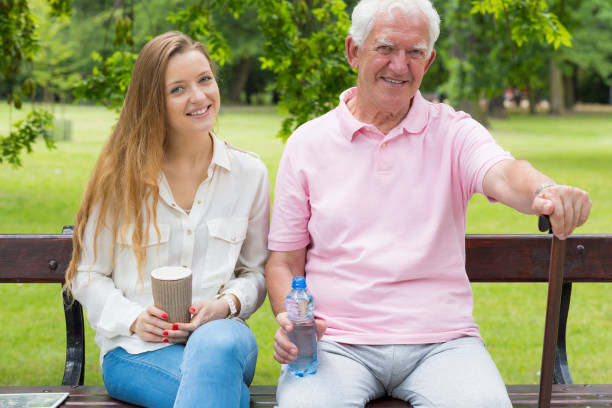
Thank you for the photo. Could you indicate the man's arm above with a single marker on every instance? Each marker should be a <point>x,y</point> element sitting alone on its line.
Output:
<point>281,267</point>
<point>516,182</point>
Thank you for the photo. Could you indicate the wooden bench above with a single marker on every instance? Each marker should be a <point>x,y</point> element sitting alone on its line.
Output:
<point>489,258</point>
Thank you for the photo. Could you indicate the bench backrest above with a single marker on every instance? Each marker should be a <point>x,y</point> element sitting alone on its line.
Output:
<point>489,258</point>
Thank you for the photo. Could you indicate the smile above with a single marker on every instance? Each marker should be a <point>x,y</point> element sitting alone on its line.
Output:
<point>393,81</point>
<point>199,112</point>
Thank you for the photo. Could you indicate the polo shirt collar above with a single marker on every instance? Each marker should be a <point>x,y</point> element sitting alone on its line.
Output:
<point>417,116</point>
<point>414,122</point>
<point>349,125</point>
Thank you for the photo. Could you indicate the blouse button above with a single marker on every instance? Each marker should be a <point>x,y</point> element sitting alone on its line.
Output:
<point>199,201</point>
<point>189,232</point>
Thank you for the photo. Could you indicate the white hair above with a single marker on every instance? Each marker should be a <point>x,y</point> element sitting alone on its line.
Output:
<point>364,12</point>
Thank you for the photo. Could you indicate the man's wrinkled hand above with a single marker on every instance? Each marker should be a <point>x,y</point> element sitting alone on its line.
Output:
<point>567,207</point>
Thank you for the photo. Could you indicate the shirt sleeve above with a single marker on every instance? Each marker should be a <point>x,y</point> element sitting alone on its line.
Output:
<point>109,312</point>
<point>291,214</point>
<point>477,151</point>
<point>249,284</point>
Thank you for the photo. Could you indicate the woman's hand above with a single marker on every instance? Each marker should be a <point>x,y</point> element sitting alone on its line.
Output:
<point>151,325</point>
<point>203,312</point>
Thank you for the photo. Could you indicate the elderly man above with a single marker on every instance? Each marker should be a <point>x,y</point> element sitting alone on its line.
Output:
<point>370,206</point>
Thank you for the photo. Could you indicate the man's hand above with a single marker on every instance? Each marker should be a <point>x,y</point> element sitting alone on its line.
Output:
<point>567,207</point>
<point>151,325</point>
<point>284,350</point>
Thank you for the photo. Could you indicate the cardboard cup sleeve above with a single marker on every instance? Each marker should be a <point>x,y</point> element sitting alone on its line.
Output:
<point>172,292</point>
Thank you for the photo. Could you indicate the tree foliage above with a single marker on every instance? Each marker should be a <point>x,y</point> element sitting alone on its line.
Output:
<point>593,38</point>
<point>526,20</point>
<point>490,45</point>
<point>486,45</point>
<point>305,49</point>
<point>18,47</point>
<point>37,123</point>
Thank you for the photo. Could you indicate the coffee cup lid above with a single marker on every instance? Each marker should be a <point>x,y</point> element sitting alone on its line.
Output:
<point>170,273</point>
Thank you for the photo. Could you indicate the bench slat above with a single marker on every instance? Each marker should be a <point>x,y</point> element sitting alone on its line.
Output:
<point>563,396</point>
<point>516,258</point>
<point>34,258</point>
<point>525,258</point>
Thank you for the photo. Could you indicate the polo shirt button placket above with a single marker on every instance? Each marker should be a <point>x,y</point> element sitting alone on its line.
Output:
<point>382,162</point>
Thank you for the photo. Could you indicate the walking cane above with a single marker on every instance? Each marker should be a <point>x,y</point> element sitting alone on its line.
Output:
<point>555,284</point>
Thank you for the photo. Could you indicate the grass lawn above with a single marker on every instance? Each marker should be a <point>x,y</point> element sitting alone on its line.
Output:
<point>44,195</point>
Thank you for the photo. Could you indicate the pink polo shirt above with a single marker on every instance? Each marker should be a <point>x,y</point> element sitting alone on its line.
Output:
<point>383,217</point>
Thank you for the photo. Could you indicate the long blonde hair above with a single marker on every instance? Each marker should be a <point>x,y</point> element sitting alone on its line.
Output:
<point>123,188</point>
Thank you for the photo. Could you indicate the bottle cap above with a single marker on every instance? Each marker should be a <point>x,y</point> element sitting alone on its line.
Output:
<point>298,282</point>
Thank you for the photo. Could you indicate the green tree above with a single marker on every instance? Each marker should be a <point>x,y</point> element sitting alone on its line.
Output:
<point>19,45</point>
<point>592,50</point>
<point>304,49</point>
<point>490,45</point>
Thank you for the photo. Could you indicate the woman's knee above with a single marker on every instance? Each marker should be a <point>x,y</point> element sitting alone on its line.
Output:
<point>224,337</point>
<point>137,379</point>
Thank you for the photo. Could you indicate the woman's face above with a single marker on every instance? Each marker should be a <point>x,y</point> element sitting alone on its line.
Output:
<point>192,94</point>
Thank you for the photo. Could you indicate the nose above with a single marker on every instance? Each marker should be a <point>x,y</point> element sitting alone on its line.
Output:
<point>196,94</point>
<point>399,62</point>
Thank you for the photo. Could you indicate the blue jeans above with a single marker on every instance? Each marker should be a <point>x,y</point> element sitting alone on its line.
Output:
<point>214,369</point>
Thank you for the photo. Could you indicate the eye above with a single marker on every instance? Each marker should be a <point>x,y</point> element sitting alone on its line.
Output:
<point>384,49</point>
<point>205,78</point>
<point>417,54</point>
<point>176,89</point>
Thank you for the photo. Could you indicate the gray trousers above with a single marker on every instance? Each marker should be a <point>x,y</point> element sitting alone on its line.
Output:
<point>459,373</point>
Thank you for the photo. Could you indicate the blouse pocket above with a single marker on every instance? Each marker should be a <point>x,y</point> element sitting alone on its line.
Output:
<point>125,273</point>
<point>225,238</point>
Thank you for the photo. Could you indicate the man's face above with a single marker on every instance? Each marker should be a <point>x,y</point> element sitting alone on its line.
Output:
<point>392,61</point>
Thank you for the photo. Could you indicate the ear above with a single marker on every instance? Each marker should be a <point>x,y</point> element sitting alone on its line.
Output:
<point>352,52</point>
<point>432,57</point>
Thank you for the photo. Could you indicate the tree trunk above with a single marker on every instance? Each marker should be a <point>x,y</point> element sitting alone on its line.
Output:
<point>495,107</point>
<point>556,89</point>
<point>240,75</point>
<point>569,83</point>
<point>533,101</point>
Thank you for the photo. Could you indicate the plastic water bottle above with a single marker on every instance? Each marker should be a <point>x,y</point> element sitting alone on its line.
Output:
<point>300,306</point>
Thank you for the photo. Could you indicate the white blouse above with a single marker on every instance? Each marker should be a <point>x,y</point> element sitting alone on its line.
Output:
<point>222,238</point>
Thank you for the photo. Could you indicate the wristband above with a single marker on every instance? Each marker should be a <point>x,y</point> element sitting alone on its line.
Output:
<point>542,187</point>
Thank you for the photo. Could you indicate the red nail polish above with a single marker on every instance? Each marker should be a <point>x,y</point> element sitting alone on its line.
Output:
<point>164,316</point>
<point>175,326</point>
<point>165,333</point>
<point>192,310</point>
<point>165,340</point>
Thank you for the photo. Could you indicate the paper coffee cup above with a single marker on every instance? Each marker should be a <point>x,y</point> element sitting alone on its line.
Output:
<point>172,292</point>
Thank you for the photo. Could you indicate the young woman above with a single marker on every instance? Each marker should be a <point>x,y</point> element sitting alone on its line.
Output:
<point>166,191</point>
